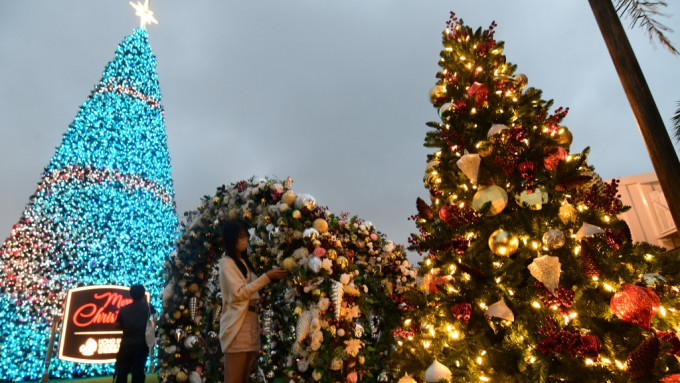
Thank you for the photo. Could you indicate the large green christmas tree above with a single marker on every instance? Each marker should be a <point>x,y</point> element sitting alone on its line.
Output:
<point>528,274</point>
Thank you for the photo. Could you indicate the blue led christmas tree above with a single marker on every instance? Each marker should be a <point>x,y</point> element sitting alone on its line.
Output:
<point>103,213</point>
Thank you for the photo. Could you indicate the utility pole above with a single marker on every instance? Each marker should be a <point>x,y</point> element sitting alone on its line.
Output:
<point>659,145</point>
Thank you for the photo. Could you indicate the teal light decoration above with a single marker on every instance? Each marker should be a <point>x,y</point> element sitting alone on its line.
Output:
<point>104,213</point>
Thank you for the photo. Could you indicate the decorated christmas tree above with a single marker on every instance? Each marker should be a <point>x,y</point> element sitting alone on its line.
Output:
<point>528,275</point>
<point>103,213</point>
<point>331,321</point>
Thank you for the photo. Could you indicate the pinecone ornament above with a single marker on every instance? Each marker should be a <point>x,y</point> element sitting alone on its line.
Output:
<point>589,263</point>
<point>642,360</point>
<point>424,210</point>
<point>193,305</point>
<point>337,291</point>
<point>216,313</point>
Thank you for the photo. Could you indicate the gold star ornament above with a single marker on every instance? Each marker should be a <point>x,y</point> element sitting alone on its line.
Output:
<point>144,13</point>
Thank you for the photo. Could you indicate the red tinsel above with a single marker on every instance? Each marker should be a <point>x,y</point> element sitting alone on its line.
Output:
<point>462,311</point>
<point>635,304</point>
<point>554,156</point>
<point>506,163</point>
<point>455,215</point>
<point>527,169</point>
<point>518,133</point>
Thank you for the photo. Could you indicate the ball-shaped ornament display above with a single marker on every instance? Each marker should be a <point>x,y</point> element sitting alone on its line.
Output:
<point>484,148</point>
<point>522,80</point>
<point>554,239</point>
<point>321,225</point>
<point>562,137</point>
<point>446,110</point>
<point>503,243</point>
<point>494,195</point>
<point>438,95</point>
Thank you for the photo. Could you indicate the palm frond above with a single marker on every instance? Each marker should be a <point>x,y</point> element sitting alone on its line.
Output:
<point>676,123</point>
<point>645,13</point>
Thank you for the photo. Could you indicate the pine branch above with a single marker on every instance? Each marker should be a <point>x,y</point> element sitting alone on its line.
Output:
<point>643,12</point>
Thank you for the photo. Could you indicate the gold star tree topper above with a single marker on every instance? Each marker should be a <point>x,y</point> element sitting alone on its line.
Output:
<point>144,13</point>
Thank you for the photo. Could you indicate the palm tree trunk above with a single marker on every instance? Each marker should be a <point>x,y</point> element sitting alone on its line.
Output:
<point>654,133</point>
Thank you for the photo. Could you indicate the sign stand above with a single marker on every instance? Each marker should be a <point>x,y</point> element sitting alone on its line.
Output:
<point>50,347</point>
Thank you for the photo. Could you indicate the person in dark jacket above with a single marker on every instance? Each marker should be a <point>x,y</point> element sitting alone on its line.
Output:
<point>133,351</point>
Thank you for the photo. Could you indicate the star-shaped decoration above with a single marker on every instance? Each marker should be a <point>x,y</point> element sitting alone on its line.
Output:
<point>144,13</point>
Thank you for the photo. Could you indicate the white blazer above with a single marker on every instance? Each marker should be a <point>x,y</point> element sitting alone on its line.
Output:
<point>236,295</point>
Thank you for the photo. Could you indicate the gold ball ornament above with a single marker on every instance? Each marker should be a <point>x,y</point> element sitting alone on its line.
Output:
<point>332,254</point>
<point>438,95</point>
<point>289,263</point>
<point>563,136</point>
<point>554,239</point>
<point>288,198</point>
<point>247,215</point>
<point>503,243</point>
<point>181,377</point>
<point>320,225</point>
<point>522,80</point>
<point>296,214</point>
<point>484,148</point>
<point>493,195</point>
<point>342,261</point>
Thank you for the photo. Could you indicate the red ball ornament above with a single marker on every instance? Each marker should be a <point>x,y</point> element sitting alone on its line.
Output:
<point>553,157</point>
<point>675,378</point>
<point>462,311</point>
<point>479,93</point>
<point>589,346</point>
<point>461,106</point>
<point>635,304</point>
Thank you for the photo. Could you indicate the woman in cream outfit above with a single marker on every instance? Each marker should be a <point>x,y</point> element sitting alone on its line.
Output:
<point>239,326</point>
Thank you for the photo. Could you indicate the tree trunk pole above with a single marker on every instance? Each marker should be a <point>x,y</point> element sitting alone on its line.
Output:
<point>654,133</point>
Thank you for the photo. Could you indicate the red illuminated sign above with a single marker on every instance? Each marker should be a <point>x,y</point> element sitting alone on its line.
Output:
<point>87,333</point>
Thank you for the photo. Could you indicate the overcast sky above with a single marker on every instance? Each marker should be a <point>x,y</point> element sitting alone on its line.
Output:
<point>333,93</point>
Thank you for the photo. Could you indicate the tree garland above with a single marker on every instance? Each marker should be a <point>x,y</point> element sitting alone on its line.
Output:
<point>331,320</point>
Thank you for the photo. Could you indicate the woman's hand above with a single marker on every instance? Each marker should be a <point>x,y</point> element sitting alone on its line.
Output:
<point>277,273</point>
